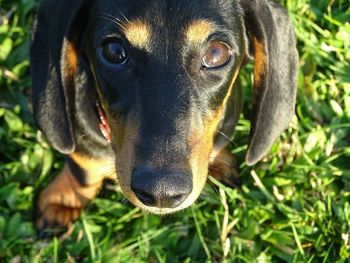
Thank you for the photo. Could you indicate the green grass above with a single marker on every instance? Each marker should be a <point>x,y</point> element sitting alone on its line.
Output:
<point>293,206</point>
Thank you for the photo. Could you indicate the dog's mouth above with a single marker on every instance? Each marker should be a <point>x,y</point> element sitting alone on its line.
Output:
<point>103,125</point>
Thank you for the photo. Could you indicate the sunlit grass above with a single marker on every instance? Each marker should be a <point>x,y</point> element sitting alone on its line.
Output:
<point>293,206</point>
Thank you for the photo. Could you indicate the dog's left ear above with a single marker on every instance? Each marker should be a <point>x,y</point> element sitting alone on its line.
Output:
<point>54,64</point>
<point>272,41</point>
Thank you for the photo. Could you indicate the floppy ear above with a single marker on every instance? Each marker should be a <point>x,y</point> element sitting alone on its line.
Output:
<point>271,36</point>
<point>53,63</point>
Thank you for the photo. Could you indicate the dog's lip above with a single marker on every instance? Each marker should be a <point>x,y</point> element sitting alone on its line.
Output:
<point>163,211</point>
<point>103,125</point>
<point>191,199</point>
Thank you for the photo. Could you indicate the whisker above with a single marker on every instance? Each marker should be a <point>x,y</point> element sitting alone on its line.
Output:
<point>110,174</point>
<point>227,137</point>
<point>212,185</point>
<point>124,16</point>
<point>219,170</point>
<point>222,161</point>
<point>124,200</point>
<point>106,15</point>
<point>112,19</point>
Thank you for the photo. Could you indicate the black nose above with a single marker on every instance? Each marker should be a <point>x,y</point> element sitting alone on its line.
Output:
<point>161,189</point>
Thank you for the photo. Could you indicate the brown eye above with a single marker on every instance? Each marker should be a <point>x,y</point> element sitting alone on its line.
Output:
<point>217,55</point>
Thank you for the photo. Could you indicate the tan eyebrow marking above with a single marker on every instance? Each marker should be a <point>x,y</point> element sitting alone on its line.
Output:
<point>198,30</point>
<point>137,32</point>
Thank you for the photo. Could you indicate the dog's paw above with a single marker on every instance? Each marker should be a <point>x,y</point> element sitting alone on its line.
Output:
<point>55,219</point>
<point>223,168</point>
<point>61,201</point>
<point>55,211</point>
<point>57,206</point>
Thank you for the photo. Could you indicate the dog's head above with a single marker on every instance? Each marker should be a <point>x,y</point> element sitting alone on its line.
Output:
<point>163,72</point>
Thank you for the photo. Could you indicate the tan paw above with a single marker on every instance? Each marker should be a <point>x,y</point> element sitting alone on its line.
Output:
<point>62,200</point>
<point>57,216</point>
<point>223,168</point>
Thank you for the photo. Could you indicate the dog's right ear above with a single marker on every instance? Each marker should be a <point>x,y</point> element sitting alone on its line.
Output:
<point>53,63</point>
<point>271,36</point>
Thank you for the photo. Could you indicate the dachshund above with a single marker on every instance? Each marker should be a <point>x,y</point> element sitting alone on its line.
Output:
<point>141,90</point>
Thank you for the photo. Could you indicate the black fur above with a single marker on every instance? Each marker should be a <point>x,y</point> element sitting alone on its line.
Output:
<point>275,98</point>
<point>162,83</point>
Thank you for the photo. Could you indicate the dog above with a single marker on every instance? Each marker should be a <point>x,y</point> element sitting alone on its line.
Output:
<point>142,90</point>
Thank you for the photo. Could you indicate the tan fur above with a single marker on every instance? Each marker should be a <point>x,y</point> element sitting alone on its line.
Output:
<point>201,144</point>
<point>259,62</point>
<point>198,31</point>
<point>95,169</point>
<point>69,60</point>
<point>62,200</point>
<point>200,152</point>
<point>222,167</point>
<point>137,32</point>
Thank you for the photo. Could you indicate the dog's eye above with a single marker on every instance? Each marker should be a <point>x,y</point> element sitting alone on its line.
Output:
<point>217,55</point>
<point>114,51</point>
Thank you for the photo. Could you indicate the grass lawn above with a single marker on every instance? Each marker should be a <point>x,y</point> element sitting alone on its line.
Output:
<point>293,206</point>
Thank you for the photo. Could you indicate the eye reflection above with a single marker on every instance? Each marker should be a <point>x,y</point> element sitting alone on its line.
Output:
<point>114,51</point>
<point>217,55</point>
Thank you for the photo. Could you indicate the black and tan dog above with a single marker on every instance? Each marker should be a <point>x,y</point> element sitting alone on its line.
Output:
<point>139,90</point>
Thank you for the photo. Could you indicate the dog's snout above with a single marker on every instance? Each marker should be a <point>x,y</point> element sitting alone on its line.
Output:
<point>161,189</point>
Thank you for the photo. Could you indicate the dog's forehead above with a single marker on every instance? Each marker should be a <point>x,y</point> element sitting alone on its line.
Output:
<point>194,19</point>
<point>155,10</point>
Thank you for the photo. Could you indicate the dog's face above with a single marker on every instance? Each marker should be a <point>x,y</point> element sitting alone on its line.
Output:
<point>163,72</point>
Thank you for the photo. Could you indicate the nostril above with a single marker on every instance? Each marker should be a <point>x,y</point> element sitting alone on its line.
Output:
<point>175,201</point>
<point>145,198</point>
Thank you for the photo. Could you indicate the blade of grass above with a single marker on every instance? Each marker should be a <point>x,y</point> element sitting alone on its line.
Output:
<point>55,250</point>
<point>297,240</point>
<point>200,234</point>
<point>90,239</point>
